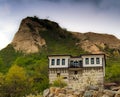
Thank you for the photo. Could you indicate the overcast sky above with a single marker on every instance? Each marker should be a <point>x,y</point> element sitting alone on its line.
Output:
<point>101,16</point>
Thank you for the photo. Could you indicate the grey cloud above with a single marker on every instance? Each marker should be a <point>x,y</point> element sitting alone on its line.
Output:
<point>100,4</point>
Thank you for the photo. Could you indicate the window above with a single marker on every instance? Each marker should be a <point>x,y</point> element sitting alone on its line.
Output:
<point>86,60</point>
<point>53,62</point>
<point>58,74</point>
<point>97,60</point>
<point>71,63</point>
<point>64,77</point>
<point>76,72</point>
<point>58,61</point>
<point>76,64</point>
<point>92,60</point>
<point>80,63</point>
<point>63,61</point>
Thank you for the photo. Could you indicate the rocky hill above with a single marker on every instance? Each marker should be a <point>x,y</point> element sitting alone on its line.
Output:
<point>97,43</point>
<point>31,37</point>
<point>27,39</point>
<point>34,34</point>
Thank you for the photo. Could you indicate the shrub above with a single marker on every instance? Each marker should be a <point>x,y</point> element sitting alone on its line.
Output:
<point>15,83</point>
<point>113,73</point>
<point>59,83</point>
<point>31,95</point>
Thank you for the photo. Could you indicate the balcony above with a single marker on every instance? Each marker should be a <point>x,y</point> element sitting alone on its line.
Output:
<point>75,64</point>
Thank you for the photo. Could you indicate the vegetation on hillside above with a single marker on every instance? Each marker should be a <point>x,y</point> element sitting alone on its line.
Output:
<point>7,56</point>
<point>113,69</point>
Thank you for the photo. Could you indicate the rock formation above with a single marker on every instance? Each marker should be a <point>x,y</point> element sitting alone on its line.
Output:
<point>27,39</point>
<point>91,91</point>
<point>97,43</point>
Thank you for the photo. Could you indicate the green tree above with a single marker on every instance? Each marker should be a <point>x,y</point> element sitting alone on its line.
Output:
<point>2,66</point>
<point>39,75</point>
<point>37,70</point>
<point>113,73</point>
<point>16,82</point>
<point>2,82</point>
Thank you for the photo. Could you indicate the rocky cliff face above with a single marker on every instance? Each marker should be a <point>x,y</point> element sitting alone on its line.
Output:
<point>97,43</point>
<point>28,39</point>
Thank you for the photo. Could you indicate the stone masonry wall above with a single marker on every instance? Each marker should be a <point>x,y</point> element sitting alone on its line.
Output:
<point>82,79</point>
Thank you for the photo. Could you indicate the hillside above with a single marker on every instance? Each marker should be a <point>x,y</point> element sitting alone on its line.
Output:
<point>98,43</point>
<point>44,36</point>
<point>35,35</point>
<point>37,38</point>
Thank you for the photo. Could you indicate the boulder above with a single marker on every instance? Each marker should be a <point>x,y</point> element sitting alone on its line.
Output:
<point>57,90</point>
<point>63,91</point>
<point>61,95</point>
<point>109,85</point>
<point>76,93</point>
<point>52,90</point>
<point>81,93</point>
<point>118,92</point>
<point>95,93</point>
<point>88,94</point>
<point>51,95</point>
<point>70,91</point>
<point>46,92</point>
<point>100,94</point>
<point>105,95</point>
<point>70,95</point>
<point>117,95</point>
<point>93,88</point>
<point>115,88</point>
<point>110,93</point>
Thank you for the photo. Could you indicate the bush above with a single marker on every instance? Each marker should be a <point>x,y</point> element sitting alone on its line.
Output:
<point>14,83</point>
<point>113,73</point>
<point>59,83</point>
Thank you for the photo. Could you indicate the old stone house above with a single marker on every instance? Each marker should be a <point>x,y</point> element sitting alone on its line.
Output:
<point>87,69</point>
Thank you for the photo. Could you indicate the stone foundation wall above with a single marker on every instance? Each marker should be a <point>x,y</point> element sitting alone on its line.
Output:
<point>83,78</point>
<point>63,73</point>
